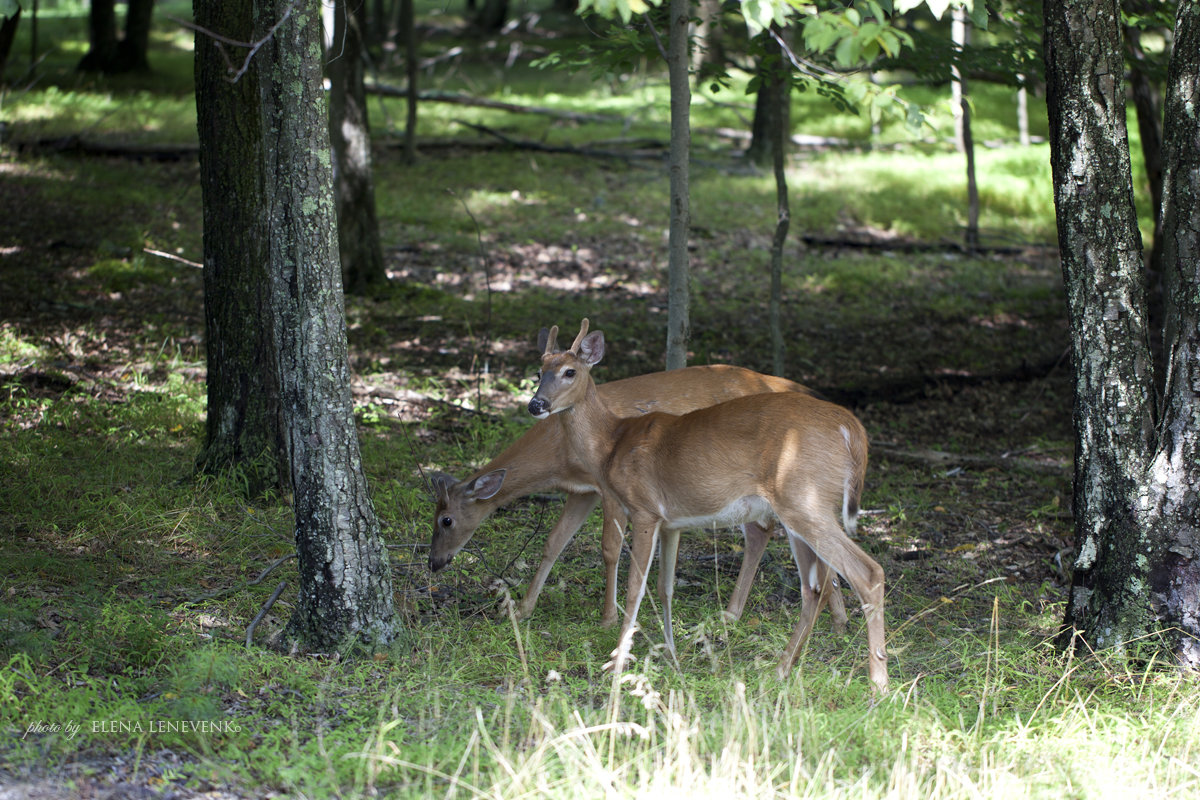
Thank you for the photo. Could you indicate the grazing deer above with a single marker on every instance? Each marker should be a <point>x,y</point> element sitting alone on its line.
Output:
<point>788,456</point>
<point>540,461</point>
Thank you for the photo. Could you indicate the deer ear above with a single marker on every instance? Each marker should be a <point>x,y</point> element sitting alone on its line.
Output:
<point>485,486</point>
<point>591,349</point>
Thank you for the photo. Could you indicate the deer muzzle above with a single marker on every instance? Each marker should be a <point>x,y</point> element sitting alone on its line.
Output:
<point>539,407</point>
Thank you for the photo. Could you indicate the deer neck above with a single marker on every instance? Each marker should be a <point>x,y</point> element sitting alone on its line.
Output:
<point>590,428</point>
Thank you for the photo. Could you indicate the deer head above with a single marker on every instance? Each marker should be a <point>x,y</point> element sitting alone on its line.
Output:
<point>564,377</point>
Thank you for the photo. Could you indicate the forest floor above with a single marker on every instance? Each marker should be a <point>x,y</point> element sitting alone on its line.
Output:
<point>965,393</point>
<point>957,364</point>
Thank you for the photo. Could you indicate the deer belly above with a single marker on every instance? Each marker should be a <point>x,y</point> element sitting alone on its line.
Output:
<point>752,508</point>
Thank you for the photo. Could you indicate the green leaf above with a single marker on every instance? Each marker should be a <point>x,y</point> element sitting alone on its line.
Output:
<point>759,14</point>
<point>847,52</point>
<point>625,9</point>
<point>978,14</point>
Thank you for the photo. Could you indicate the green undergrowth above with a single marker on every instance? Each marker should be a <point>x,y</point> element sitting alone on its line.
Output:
<point>127,600</point>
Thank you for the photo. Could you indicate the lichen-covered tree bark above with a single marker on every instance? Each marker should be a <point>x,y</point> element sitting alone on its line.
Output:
<point>1102,267</point>
<point>1135,475</point>
<point>345,582</point>
<point>1175,468</point>
<point>279,377</point>
<point>242,429</point>
<point>350,134</point>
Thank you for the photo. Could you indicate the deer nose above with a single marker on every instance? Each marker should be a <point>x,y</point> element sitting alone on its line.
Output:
<point>538,406</point>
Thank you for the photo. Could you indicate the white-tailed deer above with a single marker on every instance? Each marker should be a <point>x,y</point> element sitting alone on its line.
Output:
<point>788,456</point>
<point>540,461</point>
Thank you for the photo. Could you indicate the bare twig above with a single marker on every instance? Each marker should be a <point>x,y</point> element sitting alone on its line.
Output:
<point>172,257</point>
<point>657,39</point>
<point>487,281</point>
<point>223,40</point>
<point>262,613</point>
<point>228,590</point>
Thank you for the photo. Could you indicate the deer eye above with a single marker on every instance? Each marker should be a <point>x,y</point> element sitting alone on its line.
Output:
<point>447,522</point>
<point>569,373</point>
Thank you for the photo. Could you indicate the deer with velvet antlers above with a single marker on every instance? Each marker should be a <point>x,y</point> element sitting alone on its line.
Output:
<point>787,456</point>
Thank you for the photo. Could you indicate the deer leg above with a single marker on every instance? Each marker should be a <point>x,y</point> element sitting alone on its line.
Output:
<point>831,545</point>
<point>611,538</point>
<point>812,599</point>
<point>575,511</point>
<point>645,538</point>
<point>756,537</point>
<point>668,551</point>
<point>818,583</point>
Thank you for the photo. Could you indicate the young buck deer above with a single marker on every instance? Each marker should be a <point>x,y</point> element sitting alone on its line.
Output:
<point>541,461</point>
<point>786,455</point>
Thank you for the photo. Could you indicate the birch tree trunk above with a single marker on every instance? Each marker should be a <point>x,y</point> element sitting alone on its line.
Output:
<point>1110,604</point>
<point>1175,470</point>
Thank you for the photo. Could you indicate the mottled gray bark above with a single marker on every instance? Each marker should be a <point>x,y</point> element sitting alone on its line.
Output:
<point>345,582</point>
<point>1175,469</point>
<point>1136,583</point>
<point>242,428</point>
<point>349,131</point>
<point>1102,267</point>
<point>679,273</point>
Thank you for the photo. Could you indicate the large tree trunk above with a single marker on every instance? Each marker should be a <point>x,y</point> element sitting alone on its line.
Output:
<point>102,37</point>
<point>349,131</point>
<point>1175,470</point>
<point>345,582</point>
<point>8,32</point>
<point>242,429</point>
<point>678,268</point>
<point>133,51</point>
<point>106,53</point>
<point>1110,601</point>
